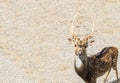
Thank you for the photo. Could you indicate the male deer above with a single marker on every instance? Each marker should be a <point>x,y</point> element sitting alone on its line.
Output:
<point>89,68</point>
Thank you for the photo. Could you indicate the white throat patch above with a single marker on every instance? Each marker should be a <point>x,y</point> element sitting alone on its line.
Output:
<point>78,62</point>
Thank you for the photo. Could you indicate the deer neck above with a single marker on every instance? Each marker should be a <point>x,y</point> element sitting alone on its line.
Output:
<point>80,63</point>
<point>83,57</point>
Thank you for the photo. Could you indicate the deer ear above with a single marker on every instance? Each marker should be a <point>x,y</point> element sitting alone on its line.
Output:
<point>92,42</point>
<point>69,39</point>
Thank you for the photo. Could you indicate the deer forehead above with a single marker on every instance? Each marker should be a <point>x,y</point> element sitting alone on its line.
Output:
<point>80,42</point>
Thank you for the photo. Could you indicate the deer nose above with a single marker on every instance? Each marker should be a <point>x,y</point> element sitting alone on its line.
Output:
<point>80,52</point>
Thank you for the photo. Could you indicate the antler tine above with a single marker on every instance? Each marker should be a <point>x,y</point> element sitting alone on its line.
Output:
<point>93,24</point>
<point>72,28</point>
<point>89,36</point>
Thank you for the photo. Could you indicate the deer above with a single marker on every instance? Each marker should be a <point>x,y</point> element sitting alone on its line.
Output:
<point>89,68</point>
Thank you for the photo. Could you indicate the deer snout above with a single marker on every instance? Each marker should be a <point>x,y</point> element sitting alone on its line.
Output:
<point>78,51</point>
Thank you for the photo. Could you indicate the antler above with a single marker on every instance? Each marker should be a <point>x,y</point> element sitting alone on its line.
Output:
<point>73,27</point>
<point>89,36</point>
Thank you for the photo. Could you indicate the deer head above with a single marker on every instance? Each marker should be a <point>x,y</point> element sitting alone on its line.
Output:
<point>81,44</point>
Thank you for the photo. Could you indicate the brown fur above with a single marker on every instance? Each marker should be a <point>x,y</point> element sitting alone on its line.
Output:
<point>95,65</point>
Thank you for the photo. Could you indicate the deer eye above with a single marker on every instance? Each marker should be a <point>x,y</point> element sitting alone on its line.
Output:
<point>86,45</point>
<point>75,45</point>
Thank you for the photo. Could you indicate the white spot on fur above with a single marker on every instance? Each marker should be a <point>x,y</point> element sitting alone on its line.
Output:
<point>78,62</point>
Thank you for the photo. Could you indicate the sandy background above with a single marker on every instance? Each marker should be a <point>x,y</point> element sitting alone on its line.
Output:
<point>33,38</point>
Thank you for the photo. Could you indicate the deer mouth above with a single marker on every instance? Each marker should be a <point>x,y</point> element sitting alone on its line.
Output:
<point>80,53</point>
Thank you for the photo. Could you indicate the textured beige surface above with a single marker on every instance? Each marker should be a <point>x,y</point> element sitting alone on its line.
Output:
<point>33,38</point>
